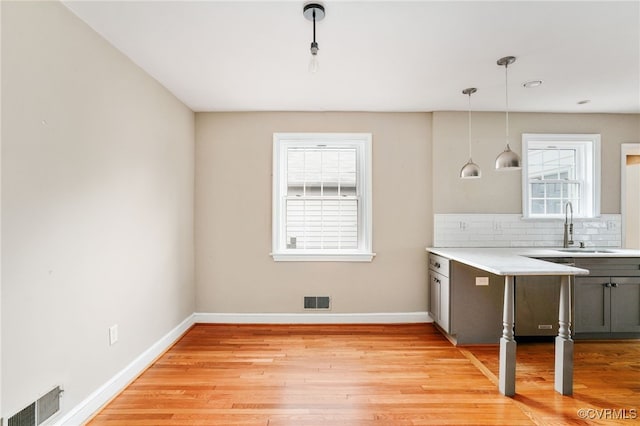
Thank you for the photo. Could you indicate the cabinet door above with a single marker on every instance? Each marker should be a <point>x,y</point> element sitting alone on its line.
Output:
<point>592,313</point>
<point>625,304</point>
<point>445,304</point>
<point>439,299</point>
<point>434,296</point>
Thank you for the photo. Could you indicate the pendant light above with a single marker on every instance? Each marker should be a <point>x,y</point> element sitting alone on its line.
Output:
<point>470,170</point>
<point>313,12</point>
<point>507,160</point>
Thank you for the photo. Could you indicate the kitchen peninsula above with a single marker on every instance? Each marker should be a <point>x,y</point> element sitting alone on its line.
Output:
<point>471,287</point>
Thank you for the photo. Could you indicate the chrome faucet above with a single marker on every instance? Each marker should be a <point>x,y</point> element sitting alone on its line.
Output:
<point>568,225</point>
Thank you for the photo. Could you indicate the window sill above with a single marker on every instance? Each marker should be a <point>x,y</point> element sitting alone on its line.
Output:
<point>323,257</point>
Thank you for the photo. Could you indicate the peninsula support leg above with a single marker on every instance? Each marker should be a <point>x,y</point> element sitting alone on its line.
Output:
<point>564,344</point>
<point>507,373</point>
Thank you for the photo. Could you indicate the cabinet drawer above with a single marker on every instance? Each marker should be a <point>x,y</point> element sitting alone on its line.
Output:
<point>611,266</point>
<point>439,264</point>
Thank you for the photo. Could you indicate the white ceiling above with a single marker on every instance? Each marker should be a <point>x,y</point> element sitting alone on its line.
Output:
<point>381,55</point>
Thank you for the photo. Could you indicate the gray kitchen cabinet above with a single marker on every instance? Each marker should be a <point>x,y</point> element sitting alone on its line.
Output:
<point>468,313</point>
<point>625,305</point>
<point>608,300</point>
<point>592,301</point>
<point>439,300</point>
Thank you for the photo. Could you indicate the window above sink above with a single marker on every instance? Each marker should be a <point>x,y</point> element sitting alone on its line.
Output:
<point>557,169</point>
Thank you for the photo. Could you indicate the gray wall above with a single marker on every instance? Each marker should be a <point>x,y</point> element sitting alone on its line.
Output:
<point>417,158</point>
<point>501,192</point>
<point>234,271</point>
<point>97,207</point>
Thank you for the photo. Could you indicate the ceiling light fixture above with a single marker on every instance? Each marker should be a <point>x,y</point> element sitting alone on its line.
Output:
<point>507,160</point>
<point>313,12</point>
<point>532,83</point>
<point>470,170</point>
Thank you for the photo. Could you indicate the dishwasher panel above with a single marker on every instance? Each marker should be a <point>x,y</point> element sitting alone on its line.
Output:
<point>537,301</point>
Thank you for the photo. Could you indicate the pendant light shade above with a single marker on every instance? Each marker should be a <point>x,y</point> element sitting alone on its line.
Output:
<point>470,170</point>
<point>507,160</point>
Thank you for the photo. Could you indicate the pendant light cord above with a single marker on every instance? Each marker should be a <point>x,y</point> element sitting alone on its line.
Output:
<point>314,26</point>
<point>506,97</point>
<point>469,120</point>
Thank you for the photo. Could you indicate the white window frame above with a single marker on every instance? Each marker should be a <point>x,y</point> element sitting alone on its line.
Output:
<point>589,158</point>
<point>362,143</point>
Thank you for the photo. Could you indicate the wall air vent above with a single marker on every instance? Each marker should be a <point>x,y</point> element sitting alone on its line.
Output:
<point>39,411</point>
<point>25,417</point>
<point>49,404</point>
<point>317,302</point>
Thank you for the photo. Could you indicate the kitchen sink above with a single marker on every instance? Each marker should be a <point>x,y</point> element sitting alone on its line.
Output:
<point>584,250</point>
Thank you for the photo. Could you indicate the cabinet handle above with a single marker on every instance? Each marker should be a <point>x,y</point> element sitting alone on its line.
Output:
<point>614,284</point>
<point>437,265</point>
<point>607,285</point>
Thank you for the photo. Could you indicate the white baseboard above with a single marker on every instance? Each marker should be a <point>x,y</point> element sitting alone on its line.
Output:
<point>313,318</point>
<point>81,412</point>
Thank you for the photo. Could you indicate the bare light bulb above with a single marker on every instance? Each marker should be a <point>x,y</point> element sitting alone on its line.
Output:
<point>313,63</point>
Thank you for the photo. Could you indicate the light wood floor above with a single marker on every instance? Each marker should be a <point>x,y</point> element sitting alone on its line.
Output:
<point>367,375</point>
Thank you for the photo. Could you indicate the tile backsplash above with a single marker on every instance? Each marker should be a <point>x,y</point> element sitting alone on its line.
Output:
<point>511,230</point>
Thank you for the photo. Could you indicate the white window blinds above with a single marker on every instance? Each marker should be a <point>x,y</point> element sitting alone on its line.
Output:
<point>553,180</point>
<point>322,198</point>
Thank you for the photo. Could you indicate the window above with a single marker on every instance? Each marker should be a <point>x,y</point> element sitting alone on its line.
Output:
<point>558,169</point>
<point>322,197</point>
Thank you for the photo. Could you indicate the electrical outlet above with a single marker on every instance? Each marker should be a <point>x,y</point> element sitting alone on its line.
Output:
<point>482,281</point>
<point>113,334</point>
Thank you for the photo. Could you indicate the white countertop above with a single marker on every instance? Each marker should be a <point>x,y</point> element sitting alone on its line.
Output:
<point>519,261</point>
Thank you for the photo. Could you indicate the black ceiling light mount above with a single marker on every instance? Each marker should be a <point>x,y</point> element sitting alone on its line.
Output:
<point>314,12</point>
